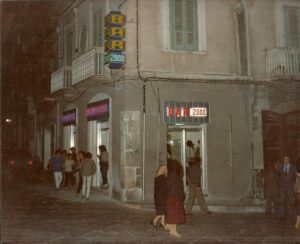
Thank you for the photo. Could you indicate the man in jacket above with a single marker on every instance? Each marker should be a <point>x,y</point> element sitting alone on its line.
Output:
<point>57,168</point>
<point>194,173</point>
<point>287,176</point>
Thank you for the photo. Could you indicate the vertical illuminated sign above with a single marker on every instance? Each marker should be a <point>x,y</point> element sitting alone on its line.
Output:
<point>115,39</point>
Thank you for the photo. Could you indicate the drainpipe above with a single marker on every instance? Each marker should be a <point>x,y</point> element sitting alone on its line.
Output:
<point>252,105</point>
<point>231,157</point>
<point>144,98</point>
<point>57,125</point>
<point>91,25</point>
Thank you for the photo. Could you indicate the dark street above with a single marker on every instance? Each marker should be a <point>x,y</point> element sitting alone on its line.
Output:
<point>37,213</point>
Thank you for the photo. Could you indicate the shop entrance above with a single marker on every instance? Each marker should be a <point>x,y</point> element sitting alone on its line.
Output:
<point>98,135</point>
<point>177,138</point>
<point>281,136</point>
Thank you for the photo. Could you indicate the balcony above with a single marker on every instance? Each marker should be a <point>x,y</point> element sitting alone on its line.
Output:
<point>61,79</point>
<point>88,65</point>
<point>283,63</point>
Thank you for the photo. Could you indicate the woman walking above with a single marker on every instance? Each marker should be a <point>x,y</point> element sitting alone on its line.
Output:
<point>160,196</point>
<point>175,198</point>
<point>297,196</point>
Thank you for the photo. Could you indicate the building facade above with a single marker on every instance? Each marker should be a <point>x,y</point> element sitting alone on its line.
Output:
<point>222,74</point>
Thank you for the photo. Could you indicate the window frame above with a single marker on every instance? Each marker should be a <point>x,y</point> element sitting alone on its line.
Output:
<point>96,16</point>
<point>280,21</point>
<point>201,28</point>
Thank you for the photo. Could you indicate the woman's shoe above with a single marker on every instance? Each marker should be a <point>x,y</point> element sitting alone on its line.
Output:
<point>176,235</point>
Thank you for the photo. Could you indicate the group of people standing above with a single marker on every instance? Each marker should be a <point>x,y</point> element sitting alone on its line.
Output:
<point>71,170</point>
<point>282,189</point>
<point>169,194</point>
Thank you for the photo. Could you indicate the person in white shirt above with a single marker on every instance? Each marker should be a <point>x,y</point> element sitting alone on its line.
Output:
<point>69,165</point>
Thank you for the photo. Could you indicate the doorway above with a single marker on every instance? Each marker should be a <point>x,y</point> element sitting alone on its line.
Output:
<point>98,134</point>
<point>281,136</point>
<point>177,138</point>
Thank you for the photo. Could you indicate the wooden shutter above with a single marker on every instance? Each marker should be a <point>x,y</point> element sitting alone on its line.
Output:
<point>183,23</point>
<point>70,47</point>
<point>292,26</point>
<point>273,141</point>
<point>191,34</point>
<point>98,29</point>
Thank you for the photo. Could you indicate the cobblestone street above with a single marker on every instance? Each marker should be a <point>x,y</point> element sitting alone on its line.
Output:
<point>40,214</point>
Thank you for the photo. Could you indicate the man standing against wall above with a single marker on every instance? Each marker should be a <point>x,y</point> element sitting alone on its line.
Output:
<point>287,176</point>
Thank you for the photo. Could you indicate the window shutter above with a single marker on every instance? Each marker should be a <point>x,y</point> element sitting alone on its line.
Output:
<point>292,26</point>
<point>184,28</point>
<point>191,25</point>
<point>98,29</point>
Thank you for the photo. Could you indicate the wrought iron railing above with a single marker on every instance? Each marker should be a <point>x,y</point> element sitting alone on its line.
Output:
<point>87,65</point>
<point>61,79</point>
<point>283,62</point>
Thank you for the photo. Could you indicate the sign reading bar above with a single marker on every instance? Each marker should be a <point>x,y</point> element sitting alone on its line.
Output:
<point>186,112</point>
<point>115,39</point>
<point>98,111</point>
<point>69,117</point>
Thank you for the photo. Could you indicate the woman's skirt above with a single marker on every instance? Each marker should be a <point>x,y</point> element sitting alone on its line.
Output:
<point>175,211</point>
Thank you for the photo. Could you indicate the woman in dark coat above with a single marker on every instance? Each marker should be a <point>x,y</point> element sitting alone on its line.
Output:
<point>160,195</point>
<point>175,197</point>
<point>297,194</point>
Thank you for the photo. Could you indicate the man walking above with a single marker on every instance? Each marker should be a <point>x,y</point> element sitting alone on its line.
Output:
<point>287,176</point>
<point>57,168</point>
<point>194,173</point>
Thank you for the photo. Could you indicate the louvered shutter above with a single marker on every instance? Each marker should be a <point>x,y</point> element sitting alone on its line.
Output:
<point>191,34</point>
<point>292,26</point>
<point>98,29</point>
<point>183,23</point>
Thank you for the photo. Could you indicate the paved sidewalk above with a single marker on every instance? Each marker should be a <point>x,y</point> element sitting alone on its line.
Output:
<point>40,214</point>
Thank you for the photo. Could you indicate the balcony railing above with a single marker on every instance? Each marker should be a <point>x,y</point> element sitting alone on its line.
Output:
<point>88,65</point>
<point>283,62</point>
<point>61,79</point>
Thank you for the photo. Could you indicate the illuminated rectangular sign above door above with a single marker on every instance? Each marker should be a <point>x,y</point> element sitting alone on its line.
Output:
<point>98,111</point>
<point>69,117</point>
<point>186,112</point>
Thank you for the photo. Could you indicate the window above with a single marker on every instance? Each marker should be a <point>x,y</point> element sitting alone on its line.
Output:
<point>292,26</point>
<point>184,25</point>
<point>98,29</point>
<point>241,38</point>
<point>70,47</point>
<point>83,40</point>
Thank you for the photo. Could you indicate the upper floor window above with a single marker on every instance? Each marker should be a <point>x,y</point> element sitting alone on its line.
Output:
<point>292,26</point>
<point>98,29</point>
<point>186,24</point>
<point>70,47</point>
<point>83,40</point>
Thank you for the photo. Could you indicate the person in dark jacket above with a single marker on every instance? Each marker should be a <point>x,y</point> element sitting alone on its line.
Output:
<point>160,196</point>
<point>271,187</point>
<point>194,173</point>
<point>175,198</point>
<point>297,194</point>
<point>57,168</point>
<point>286,181</point>
<point>79,176</point>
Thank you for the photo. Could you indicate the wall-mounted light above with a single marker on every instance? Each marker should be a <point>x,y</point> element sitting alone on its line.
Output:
<point>8,121</point>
